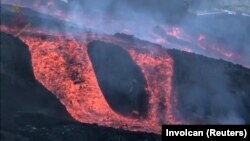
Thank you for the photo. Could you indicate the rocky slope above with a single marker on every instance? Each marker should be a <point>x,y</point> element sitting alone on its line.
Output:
<point>208,90</point>
<point>30,112</point>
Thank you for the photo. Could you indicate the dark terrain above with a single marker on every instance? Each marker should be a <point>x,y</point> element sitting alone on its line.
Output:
<point>30,112</point>
<point>119,78</point>
<point>208,90</point>
<point>211,89</point>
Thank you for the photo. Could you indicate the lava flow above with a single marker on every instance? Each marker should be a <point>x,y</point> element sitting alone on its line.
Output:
<point>168,36</point>
<point>63,66</point>
<point>201,44</point>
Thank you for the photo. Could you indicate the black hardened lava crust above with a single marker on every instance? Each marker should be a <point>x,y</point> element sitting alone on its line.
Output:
<point>119,78</point>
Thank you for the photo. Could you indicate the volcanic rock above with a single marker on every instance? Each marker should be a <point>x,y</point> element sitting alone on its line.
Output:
<point>20,92</point>
<point>120,79</point>
<point>208,90</point>
<point>30,112</point>
<point>213,90</point>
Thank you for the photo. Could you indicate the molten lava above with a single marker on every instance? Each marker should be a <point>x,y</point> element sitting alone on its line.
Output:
<point>169,37</point>
<point>177,38</point>
<point>63,66</point>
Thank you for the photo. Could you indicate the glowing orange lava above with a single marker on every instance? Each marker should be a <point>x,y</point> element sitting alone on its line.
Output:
<point>199,44</point>
<point>217,50</point>
<point>63,66</point>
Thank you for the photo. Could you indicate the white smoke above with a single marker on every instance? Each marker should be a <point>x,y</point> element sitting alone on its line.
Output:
<point>66,1</point>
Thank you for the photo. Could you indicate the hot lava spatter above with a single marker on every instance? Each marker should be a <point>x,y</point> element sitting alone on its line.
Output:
<point>63,66</point>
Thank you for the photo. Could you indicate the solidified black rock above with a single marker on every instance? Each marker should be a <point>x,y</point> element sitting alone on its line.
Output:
<point>211,90</point>
<point>29,112</point>
<point>119,78</point>
<point>20,92</point>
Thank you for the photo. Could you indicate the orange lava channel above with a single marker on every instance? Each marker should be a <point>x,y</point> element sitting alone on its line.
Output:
<point>63,66</point>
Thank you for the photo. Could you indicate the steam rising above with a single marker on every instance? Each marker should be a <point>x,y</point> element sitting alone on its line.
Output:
<point>65,1</point>
<point>140,18</point>
<point>227,36</point>
<point>212,99</point>
<point>205,93</point>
